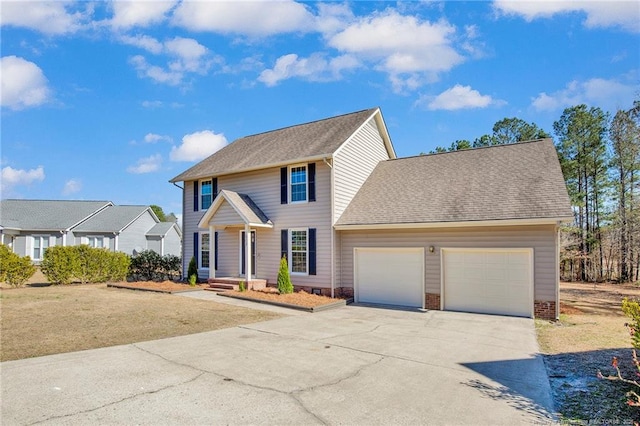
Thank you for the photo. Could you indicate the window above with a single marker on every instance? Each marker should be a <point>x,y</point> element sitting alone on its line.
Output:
<point>299,249</point>
<point>204,250</point>
<point>206,194</point>
<point>298,182</point>
<point>96,242</point>
<point>40,246</point>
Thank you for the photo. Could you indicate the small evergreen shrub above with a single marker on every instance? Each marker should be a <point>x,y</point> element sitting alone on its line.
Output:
<point>193,279</point>
<point>15,270</point>
<point>193,269</point>
<point>60,264</point>
<point>284,280</point>
<point>242,287</point>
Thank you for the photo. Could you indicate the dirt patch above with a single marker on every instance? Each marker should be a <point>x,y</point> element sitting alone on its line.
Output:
<point>300,298</point>
<point>588,335</point>
<point>47,320</point>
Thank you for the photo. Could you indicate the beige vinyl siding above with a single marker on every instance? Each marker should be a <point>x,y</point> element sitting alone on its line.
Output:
<point>542,238</point>
<point>134,235</point>
<point>263,186</point>
<point>354,162</point>
<point>226,215</point>
<point>190,221</point>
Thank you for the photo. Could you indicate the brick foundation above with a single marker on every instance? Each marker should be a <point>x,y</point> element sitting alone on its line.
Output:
<point>432,301</point>
<point>544,310</point>
<point>341,292</point>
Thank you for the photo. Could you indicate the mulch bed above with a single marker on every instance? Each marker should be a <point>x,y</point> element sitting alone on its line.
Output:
<point>300,298</point>
<point>160,287</point>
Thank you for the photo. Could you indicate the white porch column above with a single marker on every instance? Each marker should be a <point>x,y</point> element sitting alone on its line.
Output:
<point>212,251</point>
<point>248,254</point>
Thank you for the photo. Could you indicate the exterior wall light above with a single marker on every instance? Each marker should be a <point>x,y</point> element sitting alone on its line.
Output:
<point>432,249</point>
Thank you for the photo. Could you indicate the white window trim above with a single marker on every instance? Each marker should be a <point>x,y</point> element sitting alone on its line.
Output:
<point>33,245</point>
<point>290,184</point>
<point>200,182</point>
<point>290,250</point>
<point>96,237</point>
<point>200,257</point>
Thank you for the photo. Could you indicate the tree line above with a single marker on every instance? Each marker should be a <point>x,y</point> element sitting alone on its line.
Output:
<point>600,158</point>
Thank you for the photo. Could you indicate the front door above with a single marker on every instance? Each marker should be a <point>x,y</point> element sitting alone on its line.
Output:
<point>243,253</point>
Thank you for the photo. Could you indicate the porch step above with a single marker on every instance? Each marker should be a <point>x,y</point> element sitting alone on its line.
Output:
<point>221,284</point>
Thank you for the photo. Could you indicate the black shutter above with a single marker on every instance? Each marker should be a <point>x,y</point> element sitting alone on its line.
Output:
<point>284,243</point>
<point>312,251</point>
<point>283,186</point>
<point>214,189</point>
<point>215,245</point>
<point>195,196</point>
<point>195,246</point>
<point>311,169</point>
<point>243,251</point>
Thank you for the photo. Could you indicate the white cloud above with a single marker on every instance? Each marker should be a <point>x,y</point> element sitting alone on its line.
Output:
<point>313,68</point>
<point>12,177</point>
<point>146,165</point>
<point>71,187</point>
<point>186,56</point>
<point>153,138</point>
<point>458,97</point>
<point>607,94</point>
<point>145,42</point>
<point>127,14</point>
<point>401,43</point>
<point>624,14</point>
<point>197,146</point>
<point>249,18</point>
<point>23,83</point>
<point>48,17</point>
<point>152,104</point>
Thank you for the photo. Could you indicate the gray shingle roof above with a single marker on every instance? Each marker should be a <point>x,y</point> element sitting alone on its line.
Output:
<point>46,214</point>
<point>518,181</point>
<point>309,140</point>
<point>113,219</point>
<point>161,229</point>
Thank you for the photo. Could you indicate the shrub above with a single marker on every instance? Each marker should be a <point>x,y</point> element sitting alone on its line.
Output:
<point>118,266</point>
<point>172,265</point>
<point>631,308</point>
<point>193,279</point>
<point>284,280</point>
<point>242,287</point>
<point>15,270</point>
<point>146,265</point>
<point>60,264</point>
<point>193,269</point>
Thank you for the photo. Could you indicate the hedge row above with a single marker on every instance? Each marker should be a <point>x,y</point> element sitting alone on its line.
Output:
<point>15,270</point>
<point>149,265</point>
<point>62,265</point>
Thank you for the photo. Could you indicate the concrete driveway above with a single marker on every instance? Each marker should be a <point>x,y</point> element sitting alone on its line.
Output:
<point>354,365</point>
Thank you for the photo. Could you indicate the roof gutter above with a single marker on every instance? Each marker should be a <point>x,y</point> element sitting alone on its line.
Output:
<point>466,224</point>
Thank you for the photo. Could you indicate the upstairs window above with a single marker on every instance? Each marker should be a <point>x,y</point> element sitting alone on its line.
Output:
<point>206,194</point>
<point>298,182</point>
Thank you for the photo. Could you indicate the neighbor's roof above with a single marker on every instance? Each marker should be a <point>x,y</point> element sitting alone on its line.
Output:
<point>113,219</point>
<point>161,229</point>
<point>304,141</point>
<point>506,182</point>
<point>46,215</point>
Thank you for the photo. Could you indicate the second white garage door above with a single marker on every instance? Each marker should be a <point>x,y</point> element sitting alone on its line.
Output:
<point>492,281</point>
<point>390,276</point>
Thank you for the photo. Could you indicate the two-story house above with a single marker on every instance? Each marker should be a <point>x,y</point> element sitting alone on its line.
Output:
<point>472,230</point>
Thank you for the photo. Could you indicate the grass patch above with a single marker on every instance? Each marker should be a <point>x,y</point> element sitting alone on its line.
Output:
<point>40,321</point>
<point>589,333</point>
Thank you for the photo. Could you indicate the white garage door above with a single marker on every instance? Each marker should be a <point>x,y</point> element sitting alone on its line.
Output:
<point>390,276</point>
<point>491,281</point>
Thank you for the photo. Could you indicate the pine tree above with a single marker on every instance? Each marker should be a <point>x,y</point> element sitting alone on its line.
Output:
<point>284,280</point>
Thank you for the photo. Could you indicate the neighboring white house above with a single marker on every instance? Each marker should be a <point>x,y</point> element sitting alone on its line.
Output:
<point>29,227</point>
<point>473,230</point>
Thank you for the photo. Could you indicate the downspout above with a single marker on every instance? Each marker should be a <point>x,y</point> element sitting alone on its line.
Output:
<point>333,231</point>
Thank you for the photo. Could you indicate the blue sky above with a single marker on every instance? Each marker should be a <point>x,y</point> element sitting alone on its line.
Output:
<point>110,100</point>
